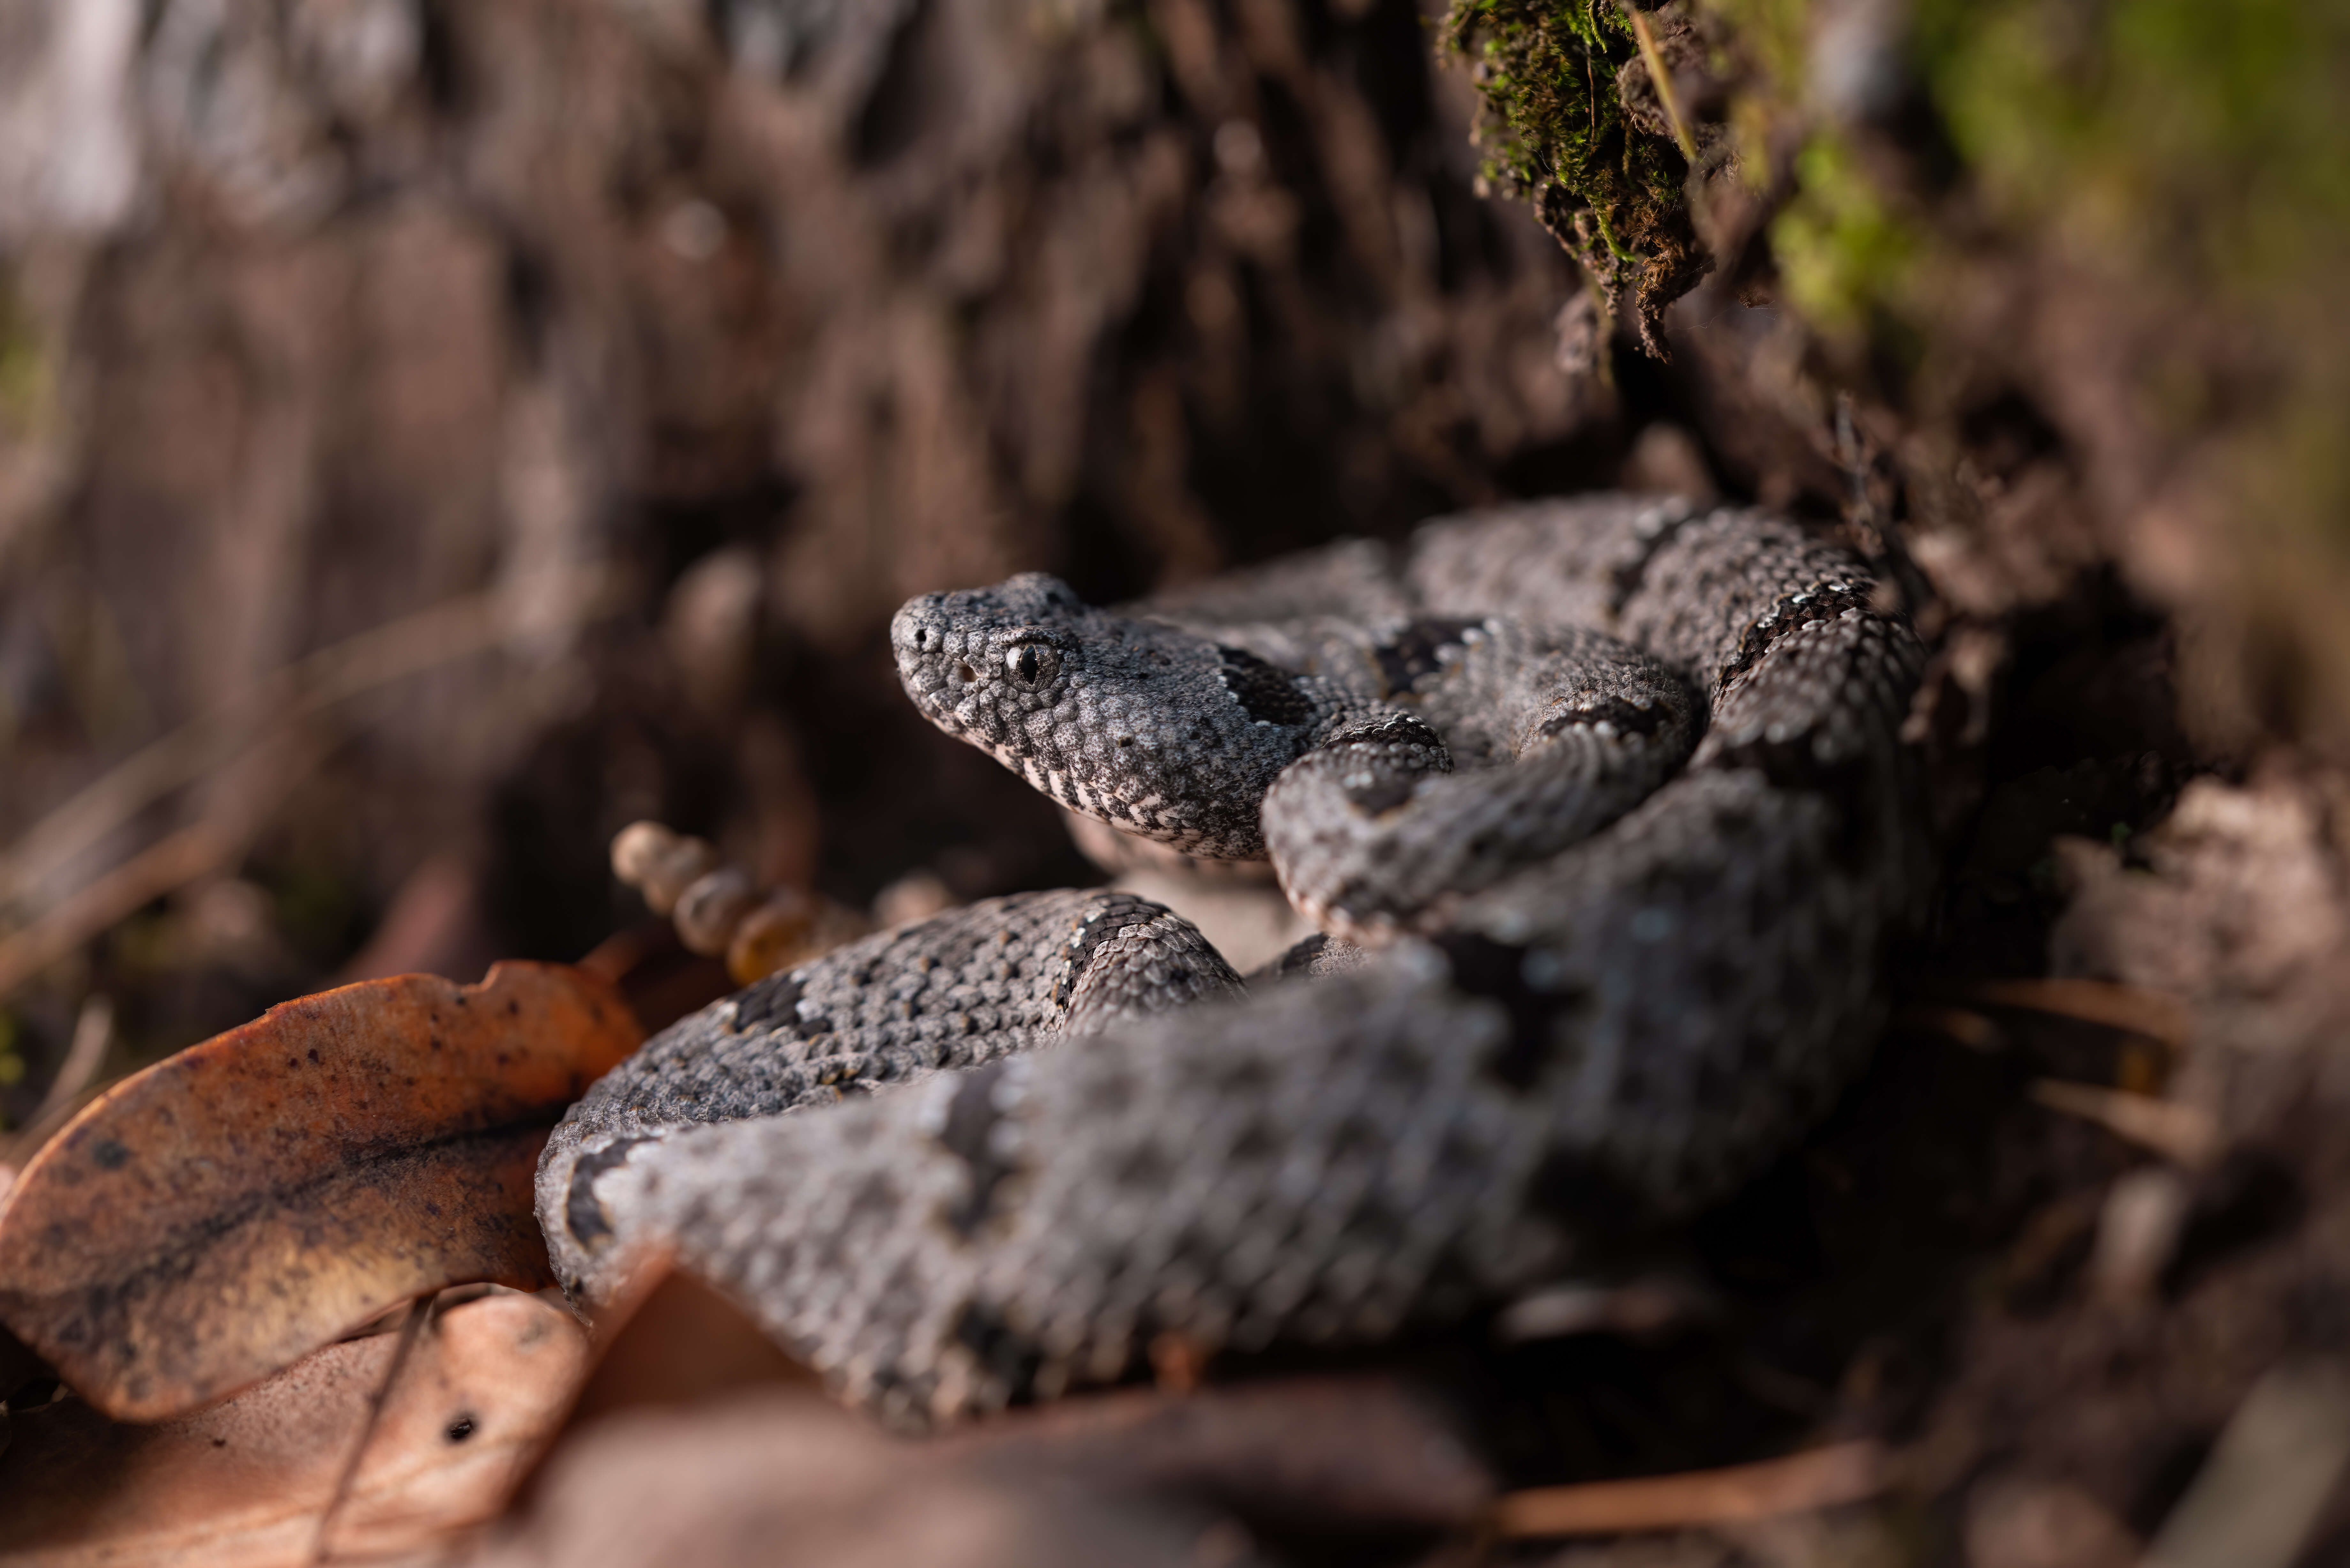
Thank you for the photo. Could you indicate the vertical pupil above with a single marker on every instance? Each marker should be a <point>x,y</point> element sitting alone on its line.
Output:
<point>1031,664</point>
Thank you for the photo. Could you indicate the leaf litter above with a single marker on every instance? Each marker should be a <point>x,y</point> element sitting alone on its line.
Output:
<point>208,1221</point>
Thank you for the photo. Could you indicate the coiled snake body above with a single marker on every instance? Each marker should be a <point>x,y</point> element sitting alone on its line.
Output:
<point>1604,806</point>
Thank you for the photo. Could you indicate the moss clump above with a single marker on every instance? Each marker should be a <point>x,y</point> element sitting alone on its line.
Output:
<point>1556,135</point>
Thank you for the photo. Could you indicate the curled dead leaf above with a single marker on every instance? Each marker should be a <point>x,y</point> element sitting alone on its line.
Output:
<point>669,1339</point>
<point>248,1482</point>
<point>216,1217</point>
<point>773,1477</point>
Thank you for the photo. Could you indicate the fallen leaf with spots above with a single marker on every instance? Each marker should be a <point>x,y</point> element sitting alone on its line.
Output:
<point>214,1217</point>
<point>250,1481</point>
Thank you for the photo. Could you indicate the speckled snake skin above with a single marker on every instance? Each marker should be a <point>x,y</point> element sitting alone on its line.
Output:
<point>1604,806</point>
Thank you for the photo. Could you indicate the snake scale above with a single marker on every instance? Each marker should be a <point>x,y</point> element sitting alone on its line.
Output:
<point>1603,807</point>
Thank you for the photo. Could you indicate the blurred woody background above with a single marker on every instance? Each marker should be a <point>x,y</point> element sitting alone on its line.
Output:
<point>434,435</point>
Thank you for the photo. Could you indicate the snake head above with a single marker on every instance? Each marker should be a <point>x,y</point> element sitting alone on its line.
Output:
<point>1149,728</point>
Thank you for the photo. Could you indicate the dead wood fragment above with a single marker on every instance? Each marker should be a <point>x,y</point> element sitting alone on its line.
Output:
<point>214,1217</point>
<point>2260,1495</point>
<point>1178,1363</point>
<point>1639,1308</point>
<point>247,1483</point>
<point>2176,1131</point>
<point>1967,1027</point>
<point>2137,1233</point>
<point>1800,1483</point>
<point>2141,1011</point>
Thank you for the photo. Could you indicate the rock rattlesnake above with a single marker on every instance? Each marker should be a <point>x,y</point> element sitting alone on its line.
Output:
<point>1604,806</point>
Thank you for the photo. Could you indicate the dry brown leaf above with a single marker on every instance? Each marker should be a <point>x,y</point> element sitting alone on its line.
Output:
<point>665,1341</point>
<point>221,1214</point>
<point>1363,1451</point>
<point>672,1340</point>
<point>773,1478</point>
<point>246,1482</point>
<point>694,1440</point>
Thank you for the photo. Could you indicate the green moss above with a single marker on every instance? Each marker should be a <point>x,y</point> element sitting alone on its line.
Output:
<point>1770,38</point>
<point>2197,153</point>
<point>2182,165</point>
<point>2207,144</point>
<point>1844,256</point>
<point>12,1064</point>
<point>2222,127</point>
<point>24,374</point>
<point>1554,135</point>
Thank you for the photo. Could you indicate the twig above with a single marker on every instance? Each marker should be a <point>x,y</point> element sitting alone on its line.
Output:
<point>2148,1012</point>
<point>1639,1308</point>
<point>148,875</point>
<point>1662,77</point>
<point>93,1033</point>
<point>1852,458</point>
<point>409,646</point>
<point>406,646</point>
<point>410,1330</point>
<point>1800,1483</point>
<point>2176,1132</point>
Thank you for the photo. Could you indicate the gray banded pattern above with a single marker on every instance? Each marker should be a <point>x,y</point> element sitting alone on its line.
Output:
<point>1613,790</point>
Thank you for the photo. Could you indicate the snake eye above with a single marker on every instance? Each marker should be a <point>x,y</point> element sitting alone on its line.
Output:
<point>1031,664</point>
